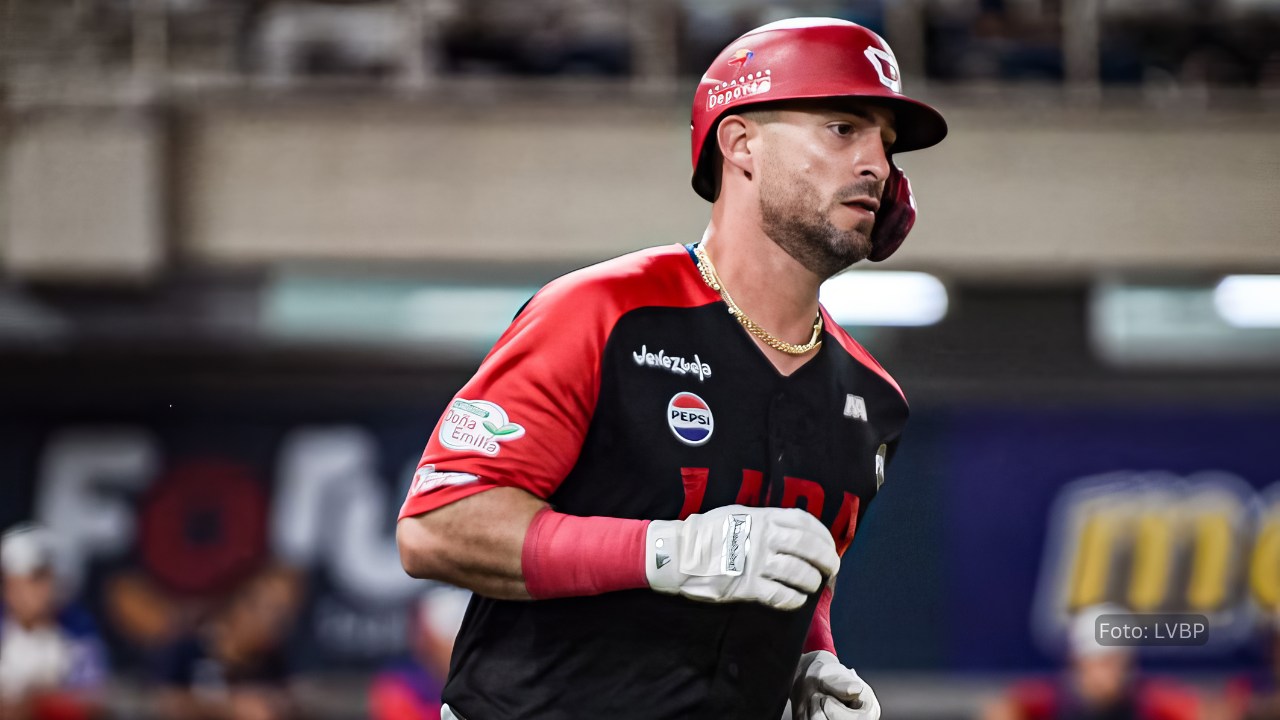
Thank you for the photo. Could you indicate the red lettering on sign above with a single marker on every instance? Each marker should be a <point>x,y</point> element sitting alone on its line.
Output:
<point>203,527</point>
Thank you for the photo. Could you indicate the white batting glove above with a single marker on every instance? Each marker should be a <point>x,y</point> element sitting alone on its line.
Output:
<point>773,556</point>
<point>824,689</point>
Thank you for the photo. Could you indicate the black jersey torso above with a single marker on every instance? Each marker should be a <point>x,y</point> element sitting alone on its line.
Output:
<point>690,416</point>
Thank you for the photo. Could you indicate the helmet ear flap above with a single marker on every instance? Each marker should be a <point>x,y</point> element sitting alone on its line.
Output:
<point>896,216</point>
<point>706,177</point>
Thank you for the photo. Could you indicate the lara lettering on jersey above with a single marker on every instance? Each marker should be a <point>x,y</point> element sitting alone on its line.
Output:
<point>675,363</point>
<point>752,494</point>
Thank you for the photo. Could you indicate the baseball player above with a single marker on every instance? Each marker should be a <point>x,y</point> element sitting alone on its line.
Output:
<point>651,478</point>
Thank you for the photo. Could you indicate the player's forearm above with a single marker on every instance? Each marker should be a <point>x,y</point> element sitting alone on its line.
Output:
<point>475,543</point>
<point>507,544</point>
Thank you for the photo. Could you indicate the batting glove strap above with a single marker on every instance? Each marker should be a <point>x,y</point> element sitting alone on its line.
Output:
<point>824,689</point>
<point>773,556</point>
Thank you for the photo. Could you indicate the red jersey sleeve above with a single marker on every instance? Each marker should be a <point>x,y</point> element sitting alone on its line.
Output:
<point>521,420</point>
<point>820,637</point>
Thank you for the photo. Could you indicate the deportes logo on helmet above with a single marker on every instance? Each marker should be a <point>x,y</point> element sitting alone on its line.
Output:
<point>886,66</point>
<point>690,419</point>
<point>756,83</point>
<point>741,58</point>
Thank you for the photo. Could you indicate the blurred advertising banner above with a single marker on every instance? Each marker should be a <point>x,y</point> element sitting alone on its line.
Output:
<point>160,516</point>
<point>1037,513</point>
<point>994,524</point>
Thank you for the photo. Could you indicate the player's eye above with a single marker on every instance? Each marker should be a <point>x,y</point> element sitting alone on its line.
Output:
<point>842,129</point>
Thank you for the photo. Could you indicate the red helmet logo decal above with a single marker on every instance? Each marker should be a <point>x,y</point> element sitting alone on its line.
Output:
<point>741,58</point>
<point>886,66</point>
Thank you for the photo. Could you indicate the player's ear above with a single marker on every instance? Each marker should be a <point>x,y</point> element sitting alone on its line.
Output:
<point>732,135</point>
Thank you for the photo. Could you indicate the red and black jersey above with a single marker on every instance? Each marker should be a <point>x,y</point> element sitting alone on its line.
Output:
<point>626,390</point>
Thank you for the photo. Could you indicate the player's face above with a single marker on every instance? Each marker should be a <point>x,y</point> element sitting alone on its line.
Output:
<point>1101,679</point>
<point>30,599</point>
<point>823,169</point>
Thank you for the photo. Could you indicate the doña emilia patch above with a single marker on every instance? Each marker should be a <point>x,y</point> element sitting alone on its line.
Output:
<point>477,425</point>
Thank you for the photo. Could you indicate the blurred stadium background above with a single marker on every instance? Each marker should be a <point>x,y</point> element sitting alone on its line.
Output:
<point>249,248</point>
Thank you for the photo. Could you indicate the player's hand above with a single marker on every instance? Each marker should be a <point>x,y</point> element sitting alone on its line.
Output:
<point>773,556</point>
<point>824,689</point>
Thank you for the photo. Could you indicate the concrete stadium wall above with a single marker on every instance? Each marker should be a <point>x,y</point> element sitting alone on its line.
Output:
<point>82,196</point>
<point>1012,191</point>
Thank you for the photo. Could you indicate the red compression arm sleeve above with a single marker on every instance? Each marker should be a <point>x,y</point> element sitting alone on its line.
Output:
<point>819,637</point>
<point>570,556</point>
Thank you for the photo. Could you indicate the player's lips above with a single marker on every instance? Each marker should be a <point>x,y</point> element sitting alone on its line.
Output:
<point>866,203</point>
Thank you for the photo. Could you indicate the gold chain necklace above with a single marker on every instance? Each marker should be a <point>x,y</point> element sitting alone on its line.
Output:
<point>712,280</point>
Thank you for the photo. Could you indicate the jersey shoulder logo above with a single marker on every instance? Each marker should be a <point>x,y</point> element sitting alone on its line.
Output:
<point>855,408</point>
<point>690,419</point>
<point>477,425</point>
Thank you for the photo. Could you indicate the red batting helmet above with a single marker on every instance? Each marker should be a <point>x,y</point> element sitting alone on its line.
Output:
<point>813,58</point>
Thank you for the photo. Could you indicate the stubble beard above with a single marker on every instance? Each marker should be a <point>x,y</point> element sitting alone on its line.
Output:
<point>789,216</point>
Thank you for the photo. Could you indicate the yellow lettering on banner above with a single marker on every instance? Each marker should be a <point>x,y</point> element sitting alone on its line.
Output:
<point>1264,569</point>
<point>1093,562</point>
<point>1152,561</point>
<point>1210,563</point>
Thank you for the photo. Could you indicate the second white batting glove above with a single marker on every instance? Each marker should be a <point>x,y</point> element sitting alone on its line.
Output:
<point>824,689</point>
<point>773,556</point>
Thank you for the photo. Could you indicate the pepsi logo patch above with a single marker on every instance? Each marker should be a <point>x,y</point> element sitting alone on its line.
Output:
<point>690,419</point>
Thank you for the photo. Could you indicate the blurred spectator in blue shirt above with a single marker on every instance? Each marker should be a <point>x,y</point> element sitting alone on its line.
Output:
<point>52,662</point>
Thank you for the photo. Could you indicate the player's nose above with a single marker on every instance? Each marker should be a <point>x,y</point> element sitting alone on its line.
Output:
<point>871,159</point>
